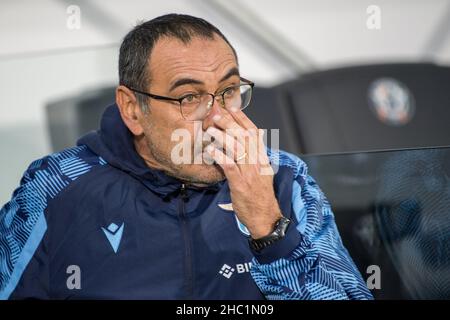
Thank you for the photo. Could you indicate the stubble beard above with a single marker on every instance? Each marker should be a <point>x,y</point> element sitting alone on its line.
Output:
<point>197,174</point>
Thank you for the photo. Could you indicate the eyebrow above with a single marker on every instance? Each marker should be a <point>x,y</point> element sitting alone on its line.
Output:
<point>233,72</point>
<point>185,81</point>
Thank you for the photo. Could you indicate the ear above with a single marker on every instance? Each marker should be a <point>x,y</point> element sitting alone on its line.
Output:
<point>130,110</point>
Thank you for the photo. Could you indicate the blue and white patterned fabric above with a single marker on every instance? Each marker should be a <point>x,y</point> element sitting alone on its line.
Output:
<point>22,220</point>
<point>320,267</point>
<point>99,209</point>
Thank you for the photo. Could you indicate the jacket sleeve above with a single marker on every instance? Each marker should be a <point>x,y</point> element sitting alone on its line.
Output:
<point>23,261</point>
<point>310,262</point>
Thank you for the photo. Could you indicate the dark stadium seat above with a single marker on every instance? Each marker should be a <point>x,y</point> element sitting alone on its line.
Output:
<point>342,110</point>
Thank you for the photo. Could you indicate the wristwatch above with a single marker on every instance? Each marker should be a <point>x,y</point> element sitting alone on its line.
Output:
<point>277,234</point>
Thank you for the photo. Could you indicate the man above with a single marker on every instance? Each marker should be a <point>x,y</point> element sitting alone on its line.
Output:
<point>120,216</point>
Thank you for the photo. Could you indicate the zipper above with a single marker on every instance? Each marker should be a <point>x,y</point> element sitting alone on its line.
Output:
<point>189,282</point>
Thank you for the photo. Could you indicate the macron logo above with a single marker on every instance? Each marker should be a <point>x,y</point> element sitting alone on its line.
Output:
<point>114,234</point>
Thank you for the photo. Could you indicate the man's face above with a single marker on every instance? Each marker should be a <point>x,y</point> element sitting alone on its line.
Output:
<point>206,66</point>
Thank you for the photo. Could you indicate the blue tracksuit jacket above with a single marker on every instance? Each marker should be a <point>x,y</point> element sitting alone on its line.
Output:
<point>94,222</point>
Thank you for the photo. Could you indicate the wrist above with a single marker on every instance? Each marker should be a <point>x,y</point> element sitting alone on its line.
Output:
<point>276,235</point>
<point>266,227</point>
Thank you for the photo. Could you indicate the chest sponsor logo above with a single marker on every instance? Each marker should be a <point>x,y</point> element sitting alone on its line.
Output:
<point>228,271</point>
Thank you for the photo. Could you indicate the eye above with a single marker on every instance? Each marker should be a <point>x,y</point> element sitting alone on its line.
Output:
<point>190,98</point>
<point>230,92</point>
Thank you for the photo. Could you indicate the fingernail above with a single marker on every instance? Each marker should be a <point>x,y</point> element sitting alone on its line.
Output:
<point>234,109</point>
<point>216,117</point>
<point>211,130</point>
<point>210,148</point>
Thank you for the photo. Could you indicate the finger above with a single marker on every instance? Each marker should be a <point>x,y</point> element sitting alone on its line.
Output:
<point>263,158</point>
<point>241,118</point>
<point>232,146</point>
<point>255,150</point>
<point>229,125</point>
<point>227,164</point>
<point>225,121</point>
<point>249,130</point>
<point>262,150</point>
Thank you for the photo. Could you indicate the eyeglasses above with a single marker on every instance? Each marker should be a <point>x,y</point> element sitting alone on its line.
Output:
<point>194,107</point>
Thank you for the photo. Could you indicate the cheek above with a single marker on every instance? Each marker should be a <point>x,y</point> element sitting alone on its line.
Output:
<point>164,134</point>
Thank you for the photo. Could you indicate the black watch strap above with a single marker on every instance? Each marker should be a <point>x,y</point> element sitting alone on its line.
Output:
<point>277,234</point>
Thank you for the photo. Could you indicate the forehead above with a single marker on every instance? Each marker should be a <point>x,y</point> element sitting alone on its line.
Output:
<point>171,58</point>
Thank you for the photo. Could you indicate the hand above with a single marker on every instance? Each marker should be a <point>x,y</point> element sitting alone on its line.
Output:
<point>240,151</point>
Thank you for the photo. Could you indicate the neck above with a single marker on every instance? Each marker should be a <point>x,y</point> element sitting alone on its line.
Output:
<point>145,153</point>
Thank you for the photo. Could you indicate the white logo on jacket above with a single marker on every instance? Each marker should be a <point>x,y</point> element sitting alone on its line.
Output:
<point>227,271</point>
<point>240,225</point>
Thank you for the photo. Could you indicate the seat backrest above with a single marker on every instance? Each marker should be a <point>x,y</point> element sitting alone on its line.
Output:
<point>370,107</point>
<point>268,111</point>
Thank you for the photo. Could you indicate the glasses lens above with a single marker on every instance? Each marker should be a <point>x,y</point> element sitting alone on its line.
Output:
<point>238,97</point>
<point>246,95</point>
<point>196,107</point>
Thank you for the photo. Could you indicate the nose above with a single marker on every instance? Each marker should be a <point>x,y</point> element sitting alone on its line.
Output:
<point>216,109</point>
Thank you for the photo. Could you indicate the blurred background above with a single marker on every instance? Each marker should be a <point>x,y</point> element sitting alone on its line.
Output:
<point>334,77</point>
